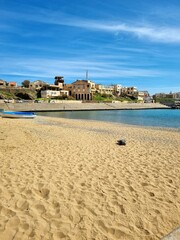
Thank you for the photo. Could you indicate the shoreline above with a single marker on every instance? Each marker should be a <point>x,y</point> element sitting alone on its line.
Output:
<point>66,178</point>
<point>85,110</point>
<point>115,123</point>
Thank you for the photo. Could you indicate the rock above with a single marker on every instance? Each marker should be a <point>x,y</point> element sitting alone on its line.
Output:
<point>121,142</point>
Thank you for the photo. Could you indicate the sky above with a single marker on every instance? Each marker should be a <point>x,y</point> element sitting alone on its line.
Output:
<point>132,43</point>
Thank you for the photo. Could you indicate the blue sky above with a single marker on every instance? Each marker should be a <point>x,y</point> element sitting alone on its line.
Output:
<point>132,43</point>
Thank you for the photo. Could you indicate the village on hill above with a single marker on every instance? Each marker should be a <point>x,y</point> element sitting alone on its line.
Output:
<point>84,90</point>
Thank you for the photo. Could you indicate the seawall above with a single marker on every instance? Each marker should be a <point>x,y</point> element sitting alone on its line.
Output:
<point>73,106</point>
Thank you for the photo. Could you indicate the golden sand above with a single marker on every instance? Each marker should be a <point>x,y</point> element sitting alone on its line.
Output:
<point>68,179</point>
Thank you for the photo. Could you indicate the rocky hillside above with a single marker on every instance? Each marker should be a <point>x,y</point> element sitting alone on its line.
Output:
<point>18,93</point>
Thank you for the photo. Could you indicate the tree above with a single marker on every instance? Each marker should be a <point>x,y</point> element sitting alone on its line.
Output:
<point>26,83</point>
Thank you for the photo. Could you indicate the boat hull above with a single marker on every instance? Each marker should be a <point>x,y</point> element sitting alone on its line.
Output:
<point>11,114</point>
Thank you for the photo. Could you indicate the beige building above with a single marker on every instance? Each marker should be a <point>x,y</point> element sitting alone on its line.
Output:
<point>163,95</point>
<point>109,90</point>
<point>130,91</point>
<point>143,94</point>
<point>37,84</point>
<point>2,83</point>
<point>176,95</point>
<point>117,90</point>
<point>81,89</point>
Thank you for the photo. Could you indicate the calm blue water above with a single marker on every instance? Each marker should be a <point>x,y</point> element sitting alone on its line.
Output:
<point>168,118</point>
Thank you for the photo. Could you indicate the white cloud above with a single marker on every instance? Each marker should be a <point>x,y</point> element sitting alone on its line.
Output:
<point>165,34</point>
<point>73,69</point>
<point>157,33</point>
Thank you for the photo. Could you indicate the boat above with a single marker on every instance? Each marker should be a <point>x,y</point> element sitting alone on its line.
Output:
<point>15,114</point>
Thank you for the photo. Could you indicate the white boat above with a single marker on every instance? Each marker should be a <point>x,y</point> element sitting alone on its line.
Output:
<point>15,114</point>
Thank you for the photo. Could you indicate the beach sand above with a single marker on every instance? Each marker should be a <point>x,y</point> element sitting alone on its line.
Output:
<point>68,179</point>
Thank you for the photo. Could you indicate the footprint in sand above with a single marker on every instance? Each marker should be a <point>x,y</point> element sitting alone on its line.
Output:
<point>115,203</point>
<point>13,222</point>
<point>28,192</point>
<point>41,209</point>
<point>25,226</point>
<point>118,233</point>
<point>22,204</point>
<point>144,184</point>
<point>7,212</point>
<point>44,192</point>
<point>59,235</point>
<point>151,194</point>
<point>170,181</point>
<point>131,188</point>
<point>122,209</point>
<point>56,205</point>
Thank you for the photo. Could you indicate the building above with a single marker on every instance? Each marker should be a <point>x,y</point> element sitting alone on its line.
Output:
<point>2,83</point>
<point>53,91</point>
<point>38,84</point>
<point>59,80</point>
<point>143,94</point>
<point>129,91</point>
<point>81,89</point>
<point>108,90</point>
<point>117,90</point>
<point>176,95</point>
<point>12,84</point>
<point>163,95</point>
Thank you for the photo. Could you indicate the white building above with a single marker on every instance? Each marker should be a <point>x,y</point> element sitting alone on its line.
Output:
<point>53,91</point>
<point>117,89</point>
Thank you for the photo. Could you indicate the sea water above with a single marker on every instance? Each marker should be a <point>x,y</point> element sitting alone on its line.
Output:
<point>168,118</point>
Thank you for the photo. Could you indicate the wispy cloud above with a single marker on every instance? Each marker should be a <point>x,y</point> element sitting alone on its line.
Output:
<point>157,33</point>
<point>73,69</point>
<point>165,34</point>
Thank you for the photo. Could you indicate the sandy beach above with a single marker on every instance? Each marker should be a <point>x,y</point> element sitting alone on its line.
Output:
<point>68,179</point>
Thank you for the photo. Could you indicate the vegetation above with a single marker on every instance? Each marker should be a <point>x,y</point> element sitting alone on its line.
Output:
<point>102,97</point>
<point>26,94</point>
<point>106,98</point>
<point>165,100</point>
<point>7,95</point>
<point>26,83</point>
<point>127,99</point>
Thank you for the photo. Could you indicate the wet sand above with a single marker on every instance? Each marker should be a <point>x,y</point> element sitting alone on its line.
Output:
<point>68,179</point>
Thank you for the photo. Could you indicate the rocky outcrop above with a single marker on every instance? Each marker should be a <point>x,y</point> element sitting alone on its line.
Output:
<point>18,93</point>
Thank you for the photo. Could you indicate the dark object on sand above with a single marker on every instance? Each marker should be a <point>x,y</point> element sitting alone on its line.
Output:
<point>121,142</point>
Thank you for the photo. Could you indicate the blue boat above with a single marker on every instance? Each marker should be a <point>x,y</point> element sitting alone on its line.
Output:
<point>15,114</point>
